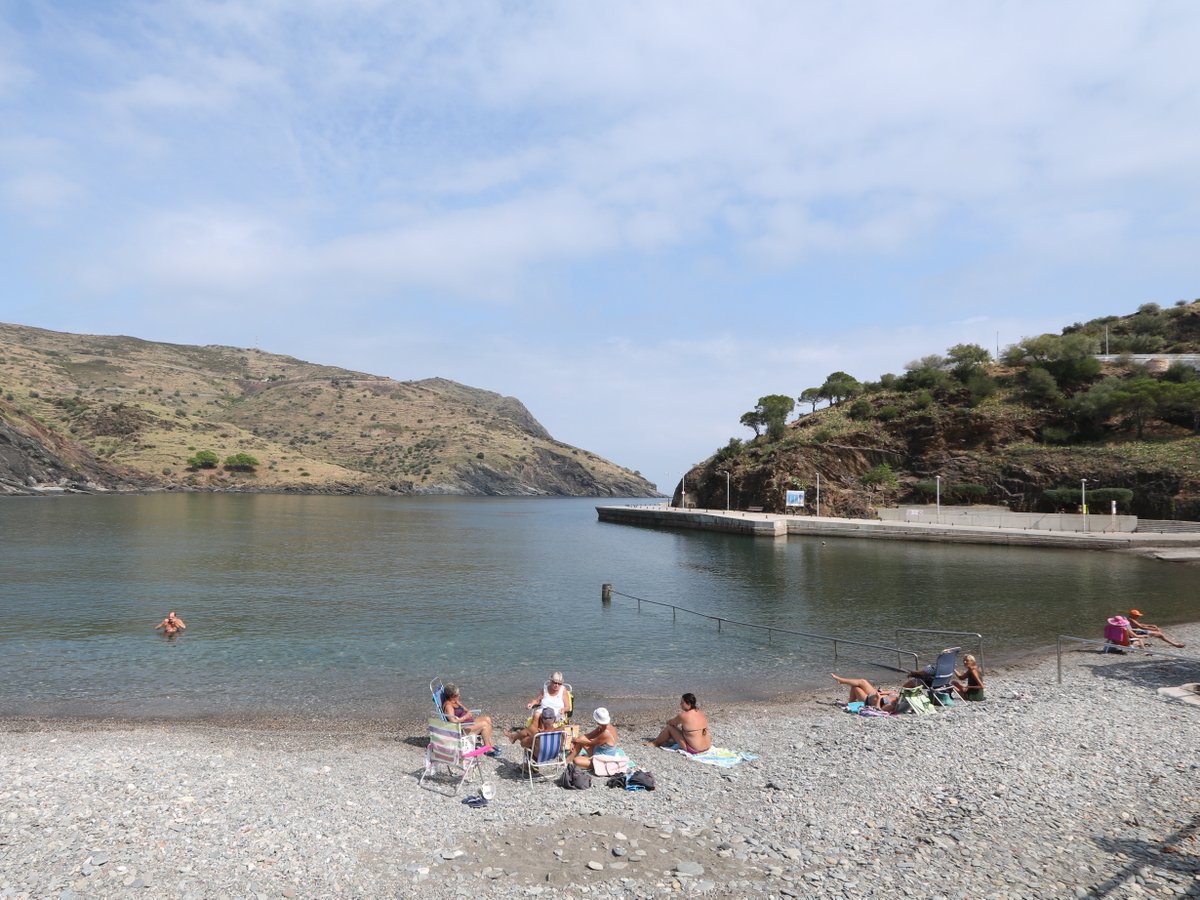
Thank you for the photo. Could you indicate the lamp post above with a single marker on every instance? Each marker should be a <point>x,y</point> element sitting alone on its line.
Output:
<point>938,478</point>
<point>818,495</point>
<point>1083,494</point>
<point>726,474</point>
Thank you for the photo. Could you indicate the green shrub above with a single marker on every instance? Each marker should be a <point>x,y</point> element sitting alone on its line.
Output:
<point>888,413</point>
<point>922,400</point>
<point>861,409</point>
<point>205,459</point>
<point>241,462</point>
<point>1055,434</point>
<point>968,492</point>
<point>822,435</point>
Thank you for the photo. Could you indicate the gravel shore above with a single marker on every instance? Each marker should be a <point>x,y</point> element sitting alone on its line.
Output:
<point>1086,790</point>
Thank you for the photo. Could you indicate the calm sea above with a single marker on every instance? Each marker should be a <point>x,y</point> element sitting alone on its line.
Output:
<point>348,605</point>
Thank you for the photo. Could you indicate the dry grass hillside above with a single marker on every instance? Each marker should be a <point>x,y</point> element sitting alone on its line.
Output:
<point>132,413</point>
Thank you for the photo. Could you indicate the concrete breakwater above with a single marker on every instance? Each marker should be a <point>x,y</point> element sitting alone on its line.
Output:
<point>1176,547</point>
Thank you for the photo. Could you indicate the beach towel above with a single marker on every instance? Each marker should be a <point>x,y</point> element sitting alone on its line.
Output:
<point>715,756</point>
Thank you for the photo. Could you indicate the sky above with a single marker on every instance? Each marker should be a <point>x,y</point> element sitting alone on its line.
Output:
<point>635,217</point>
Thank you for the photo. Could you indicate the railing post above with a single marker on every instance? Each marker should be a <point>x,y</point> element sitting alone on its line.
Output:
<point>606,594</point>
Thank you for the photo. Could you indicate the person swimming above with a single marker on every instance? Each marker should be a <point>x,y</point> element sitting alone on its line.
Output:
<point>171,625</point>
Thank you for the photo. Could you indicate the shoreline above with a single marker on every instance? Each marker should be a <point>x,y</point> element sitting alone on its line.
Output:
<point>1043,791</point>
<point>506,709</point>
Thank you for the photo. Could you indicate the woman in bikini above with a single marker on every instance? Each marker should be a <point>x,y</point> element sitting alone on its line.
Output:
<point>455,712</point>
<point>689,729</point>
<point>600,741</point>
<point>969,684</point>
<point>862,690</point>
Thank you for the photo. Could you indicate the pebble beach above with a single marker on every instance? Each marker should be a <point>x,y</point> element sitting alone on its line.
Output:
<point>1088,789</point>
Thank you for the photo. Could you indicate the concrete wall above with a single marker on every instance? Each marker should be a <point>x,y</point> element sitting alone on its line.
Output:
<point>991,518</point>
<point>759,525</point>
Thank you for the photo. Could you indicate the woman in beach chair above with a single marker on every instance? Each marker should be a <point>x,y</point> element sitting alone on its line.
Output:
<point>454,711</point>
<point>555,695</point>
<point>1119,633</point>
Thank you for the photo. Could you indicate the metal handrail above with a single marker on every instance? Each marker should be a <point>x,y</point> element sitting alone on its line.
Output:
<point>972,634</point>
<point>1123,648</point>
<point>771,629</point>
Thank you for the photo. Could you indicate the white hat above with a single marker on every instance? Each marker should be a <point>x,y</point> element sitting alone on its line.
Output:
<point>601,716</point>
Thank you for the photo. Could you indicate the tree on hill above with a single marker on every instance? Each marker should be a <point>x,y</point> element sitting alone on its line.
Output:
<point>967,359</point>
<point>753,419</point>
<point>839,386</point>
<point>772,412</point>
<point>811,396</point>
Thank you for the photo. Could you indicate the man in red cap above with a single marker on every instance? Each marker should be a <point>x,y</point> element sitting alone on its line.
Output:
<point>1146,630</point>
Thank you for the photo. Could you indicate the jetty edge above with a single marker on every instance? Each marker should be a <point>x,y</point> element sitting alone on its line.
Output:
<point>1021,530</point>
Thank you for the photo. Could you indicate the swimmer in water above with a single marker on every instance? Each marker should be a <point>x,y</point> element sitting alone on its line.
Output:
<point>171,625</point>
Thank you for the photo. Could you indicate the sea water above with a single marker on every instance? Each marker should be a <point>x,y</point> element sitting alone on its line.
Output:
<point>313,605</point>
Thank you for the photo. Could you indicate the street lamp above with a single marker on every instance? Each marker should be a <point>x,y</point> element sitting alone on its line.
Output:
<point>726,474</point>
<point>938,478</point>
<point>1083,494</point>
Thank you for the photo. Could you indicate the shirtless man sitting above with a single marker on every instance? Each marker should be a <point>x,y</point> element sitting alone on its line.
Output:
<point>543,722</point>
<point>689,729</point>
<point>1144,629</point>
<point>171,625</point>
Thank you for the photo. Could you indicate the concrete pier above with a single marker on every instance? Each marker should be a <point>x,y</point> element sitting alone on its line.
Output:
<point>1175,547</point>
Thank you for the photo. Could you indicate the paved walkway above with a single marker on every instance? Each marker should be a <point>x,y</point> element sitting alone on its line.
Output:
<point>1173,547</point>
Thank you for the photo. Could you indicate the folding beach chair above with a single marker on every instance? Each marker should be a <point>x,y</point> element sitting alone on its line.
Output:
<point>940,691</point>
<point>547,754</point>
<point>437,690</point>
<point>450,747</point>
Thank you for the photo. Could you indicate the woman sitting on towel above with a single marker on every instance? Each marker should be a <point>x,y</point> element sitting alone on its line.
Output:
<point>553,696</point>
<point>863,691</point>
<point>600,741</point>
<point>969,684</point>
<point>689,729</point>
<point>455,712</point>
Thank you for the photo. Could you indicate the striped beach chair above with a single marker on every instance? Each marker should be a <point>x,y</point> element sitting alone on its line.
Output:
<point>448,746</point>
<point>548,753</point>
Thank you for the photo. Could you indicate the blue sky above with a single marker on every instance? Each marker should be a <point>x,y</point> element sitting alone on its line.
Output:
<point>635,217</point>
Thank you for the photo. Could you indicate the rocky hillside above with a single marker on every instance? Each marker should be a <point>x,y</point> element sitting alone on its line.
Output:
<point>82,412</point>
<point>1021,432</point>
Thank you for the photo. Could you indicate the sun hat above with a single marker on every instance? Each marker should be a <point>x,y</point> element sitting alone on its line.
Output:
<point>601,716</point>
<point>1135,613</point>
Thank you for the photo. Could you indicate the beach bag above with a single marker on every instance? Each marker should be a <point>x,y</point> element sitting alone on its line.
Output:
<point>914,700</point>
<point>604,766</point>
<point>575,778</point>
<point>641,779</point>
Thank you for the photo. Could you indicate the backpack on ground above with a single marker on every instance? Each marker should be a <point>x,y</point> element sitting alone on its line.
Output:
<point>575,778</point>
<point>641,779</point>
